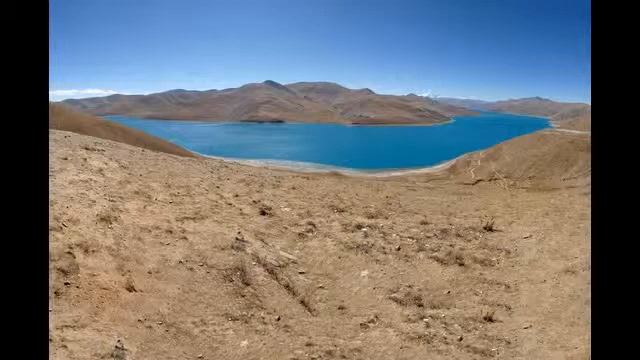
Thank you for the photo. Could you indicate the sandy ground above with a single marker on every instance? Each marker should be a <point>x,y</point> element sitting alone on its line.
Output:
<point>155,256</point>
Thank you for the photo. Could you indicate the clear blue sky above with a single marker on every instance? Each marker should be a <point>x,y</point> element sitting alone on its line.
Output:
<point>485,49</point>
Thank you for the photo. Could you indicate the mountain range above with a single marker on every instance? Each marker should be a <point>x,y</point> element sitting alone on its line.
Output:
<point>273,102</point>
<point>574,116</point>
<point>270,101</point>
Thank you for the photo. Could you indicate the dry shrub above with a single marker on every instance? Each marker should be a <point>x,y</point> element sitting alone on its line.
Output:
<point>407,297</point>
<point>489,316</point>
<point>239,272</point>
<point>265,210</point>
<point>489,225</point>
<point>451,257</point>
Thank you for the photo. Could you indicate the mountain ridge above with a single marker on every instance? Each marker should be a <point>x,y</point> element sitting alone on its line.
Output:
<point>564,115</point>
<point>272,101</point>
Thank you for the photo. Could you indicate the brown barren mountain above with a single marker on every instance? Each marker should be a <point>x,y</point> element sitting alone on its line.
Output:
<point>578,118</point>
<point>64,118</point>
<point>159,257</point>
<point>536,106</point>
<point>570,116</point>
<point>271,101</point>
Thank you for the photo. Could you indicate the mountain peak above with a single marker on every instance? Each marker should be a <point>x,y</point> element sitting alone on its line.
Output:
<point>367,91</point>
<point>534,98</point>
<point>276,85</point>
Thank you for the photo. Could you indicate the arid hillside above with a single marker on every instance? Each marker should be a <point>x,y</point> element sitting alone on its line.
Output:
<point>574,119</point>
<point>551,159</point>
<point>568,116</point>
<point>271,101</point>
<point>61,117</point>
<point>536,106</point>
<point>157,256</point>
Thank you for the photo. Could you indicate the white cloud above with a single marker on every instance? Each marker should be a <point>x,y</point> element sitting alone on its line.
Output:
<point>427,93</point>
<point>57,95</point>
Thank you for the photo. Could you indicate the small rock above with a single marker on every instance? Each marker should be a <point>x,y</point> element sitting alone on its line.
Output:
<point>302,271</point>
<point>460,338</point>
<point>201,264</point>
<point>130,286</point>
<point>398,248</point>
<point>244,343</point>
<point>526,236</point>
<point>288,256</point>
<point>160,322</point>
<point>63,224</point>
<point>364,273</point>
<point>320,286</point>
<point>200,356</point>
<point>67,283</point>
<point>528,326</point>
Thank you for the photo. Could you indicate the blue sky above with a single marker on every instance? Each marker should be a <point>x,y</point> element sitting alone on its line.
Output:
<point>483,49</point>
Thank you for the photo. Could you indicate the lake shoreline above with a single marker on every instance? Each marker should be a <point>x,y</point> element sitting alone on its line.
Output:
<point>354,150</point>
<point>307,167</point>
<point>284,122</point>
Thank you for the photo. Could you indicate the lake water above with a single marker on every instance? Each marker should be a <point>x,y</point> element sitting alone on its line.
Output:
<point>368,148</point>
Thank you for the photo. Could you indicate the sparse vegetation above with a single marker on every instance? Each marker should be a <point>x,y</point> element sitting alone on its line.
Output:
<point>489,225</point>
<point>407,296</point>
<point>200,278</point>
<point>489,316</point>
<point>265,210</point>
<point>239,272</point>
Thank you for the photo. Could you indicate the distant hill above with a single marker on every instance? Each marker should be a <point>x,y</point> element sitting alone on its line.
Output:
<point>574,116</point>
<point>533,106</point>
<point>271,101</point>
<point>578,118</point>
<point>465,103</point>
<point>61,117</point>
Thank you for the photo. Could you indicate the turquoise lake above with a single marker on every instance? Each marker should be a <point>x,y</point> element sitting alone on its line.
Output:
<point>365,148</point>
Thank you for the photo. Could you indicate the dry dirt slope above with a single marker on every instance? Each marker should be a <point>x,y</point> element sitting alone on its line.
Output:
<point>62,117</point>
<point>155,256</point>
<point>542,160</point>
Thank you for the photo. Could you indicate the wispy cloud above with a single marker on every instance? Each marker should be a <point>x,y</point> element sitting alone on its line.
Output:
<point>427,93</point>
<point>57,95</point>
